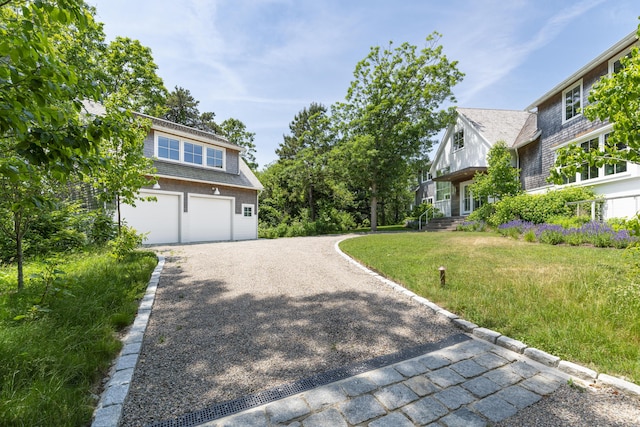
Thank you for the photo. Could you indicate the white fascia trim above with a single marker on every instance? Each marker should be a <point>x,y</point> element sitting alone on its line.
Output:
<point>441,147</point>
<point>578,74</point>
<point>187,135</point>
<point>201,181</point>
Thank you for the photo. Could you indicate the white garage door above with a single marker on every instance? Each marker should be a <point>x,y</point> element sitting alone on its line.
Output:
<point>160,219</point>
<point>209,219</point>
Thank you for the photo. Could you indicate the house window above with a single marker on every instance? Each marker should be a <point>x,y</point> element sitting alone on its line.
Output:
<point>443,190</point>
<point>615,64</point>
<point>614,168</point>
<point>215,158</point>
<point>589,171</point>
<point>247,211</point>
<point>168,148</point>
<point>427,200</point>
<point>189,152</point>
<point>568,179</point>
<point>572,102</point>
<point>458,140</point>
<point>192,153</point>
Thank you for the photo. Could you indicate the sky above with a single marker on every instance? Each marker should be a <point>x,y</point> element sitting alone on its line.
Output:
<point>263,61</point>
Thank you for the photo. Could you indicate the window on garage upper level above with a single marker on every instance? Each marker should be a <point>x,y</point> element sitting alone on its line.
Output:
<point>192,153</point>
<point>168,148</point>
<point>572,102</point>
<point>178,150</point>
<point>215,158</point>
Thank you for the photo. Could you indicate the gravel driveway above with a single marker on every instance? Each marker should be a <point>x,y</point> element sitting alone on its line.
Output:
<point>236,318</point>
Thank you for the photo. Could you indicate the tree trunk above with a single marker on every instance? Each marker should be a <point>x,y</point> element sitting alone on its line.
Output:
<point>118,210</point>
<point>374,209</point>
<point>18,234</point>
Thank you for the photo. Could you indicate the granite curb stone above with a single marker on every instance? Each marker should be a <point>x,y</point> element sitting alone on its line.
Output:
<point>109,409</point>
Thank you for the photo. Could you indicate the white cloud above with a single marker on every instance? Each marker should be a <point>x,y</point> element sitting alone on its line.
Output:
<point>496,47</point>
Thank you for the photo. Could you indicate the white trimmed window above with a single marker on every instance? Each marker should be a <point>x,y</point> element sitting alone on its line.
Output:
<point>615,168</point>
<point>247,211</point>
<point>168,148</point>
<point>193,153</point>
<point>458,140</point>
<point>572,102</point>
<point>215,158</point>
<point>614,63</point>
<point>588,172</point>
<point>443,190</point>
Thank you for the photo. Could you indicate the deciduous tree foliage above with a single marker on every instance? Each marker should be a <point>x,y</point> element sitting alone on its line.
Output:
<point>501,178</point>
<point>52,60</point>
<point>43,135</point>
<point>236,132</point>
<point>614,98</point>
<point>392,109</point>
<point>131,73</point>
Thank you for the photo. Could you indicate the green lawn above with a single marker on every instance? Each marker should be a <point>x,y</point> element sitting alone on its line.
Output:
<point>57,342</point>
<point>578,303</point>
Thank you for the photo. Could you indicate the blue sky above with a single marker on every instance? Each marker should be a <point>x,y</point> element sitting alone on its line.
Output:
<point>262,61</point>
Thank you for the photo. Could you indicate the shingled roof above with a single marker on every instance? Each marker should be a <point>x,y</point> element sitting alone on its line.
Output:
<point>514,127</point>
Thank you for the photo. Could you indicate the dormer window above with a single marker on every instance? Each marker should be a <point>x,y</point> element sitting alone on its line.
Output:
<point>572,102</point>
<point>168,148</point>
<point>458,140</point>
<point>193,153</point>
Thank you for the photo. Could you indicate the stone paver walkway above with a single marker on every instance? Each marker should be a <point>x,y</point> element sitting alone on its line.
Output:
<point>473,383</point>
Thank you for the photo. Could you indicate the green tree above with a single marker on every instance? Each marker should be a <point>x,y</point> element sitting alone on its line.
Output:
<point>182,108</point>
<point>236,132</point>
<point>304,154</point>
<point>501,179</point>
<point>125,169</point>
<point>40,91</point>
<point>614,98</point>
<point>131,73</point>
<point>47,49</point>
<point>392,109</point>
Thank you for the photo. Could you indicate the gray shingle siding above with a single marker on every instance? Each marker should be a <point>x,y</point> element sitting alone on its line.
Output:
<point>180,170</point>
<point>531,175</point>
<point>149,148</point>
<point>554,132</point>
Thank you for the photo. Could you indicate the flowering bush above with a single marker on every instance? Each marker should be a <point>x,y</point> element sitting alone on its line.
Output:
<point>597,233</point>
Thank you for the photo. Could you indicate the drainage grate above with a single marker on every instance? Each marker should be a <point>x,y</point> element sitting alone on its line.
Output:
<point>231,407</point>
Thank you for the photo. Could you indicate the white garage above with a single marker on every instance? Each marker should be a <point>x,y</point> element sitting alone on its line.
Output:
<point>161,219</point>
<point>210,218</point>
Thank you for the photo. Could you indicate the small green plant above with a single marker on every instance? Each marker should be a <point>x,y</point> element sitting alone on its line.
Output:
<point>529,236</point>
<point>126,242</point>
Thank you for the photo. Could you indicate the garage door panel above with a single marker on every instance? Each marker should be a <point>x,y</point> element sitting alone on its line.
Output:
<point>161,219</point>
<point>209,219</point>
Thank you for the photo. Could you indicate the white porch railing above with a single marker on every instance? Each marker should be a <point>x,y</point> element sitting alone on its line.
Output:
<point>443,206</point>
<point>610,207</point>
